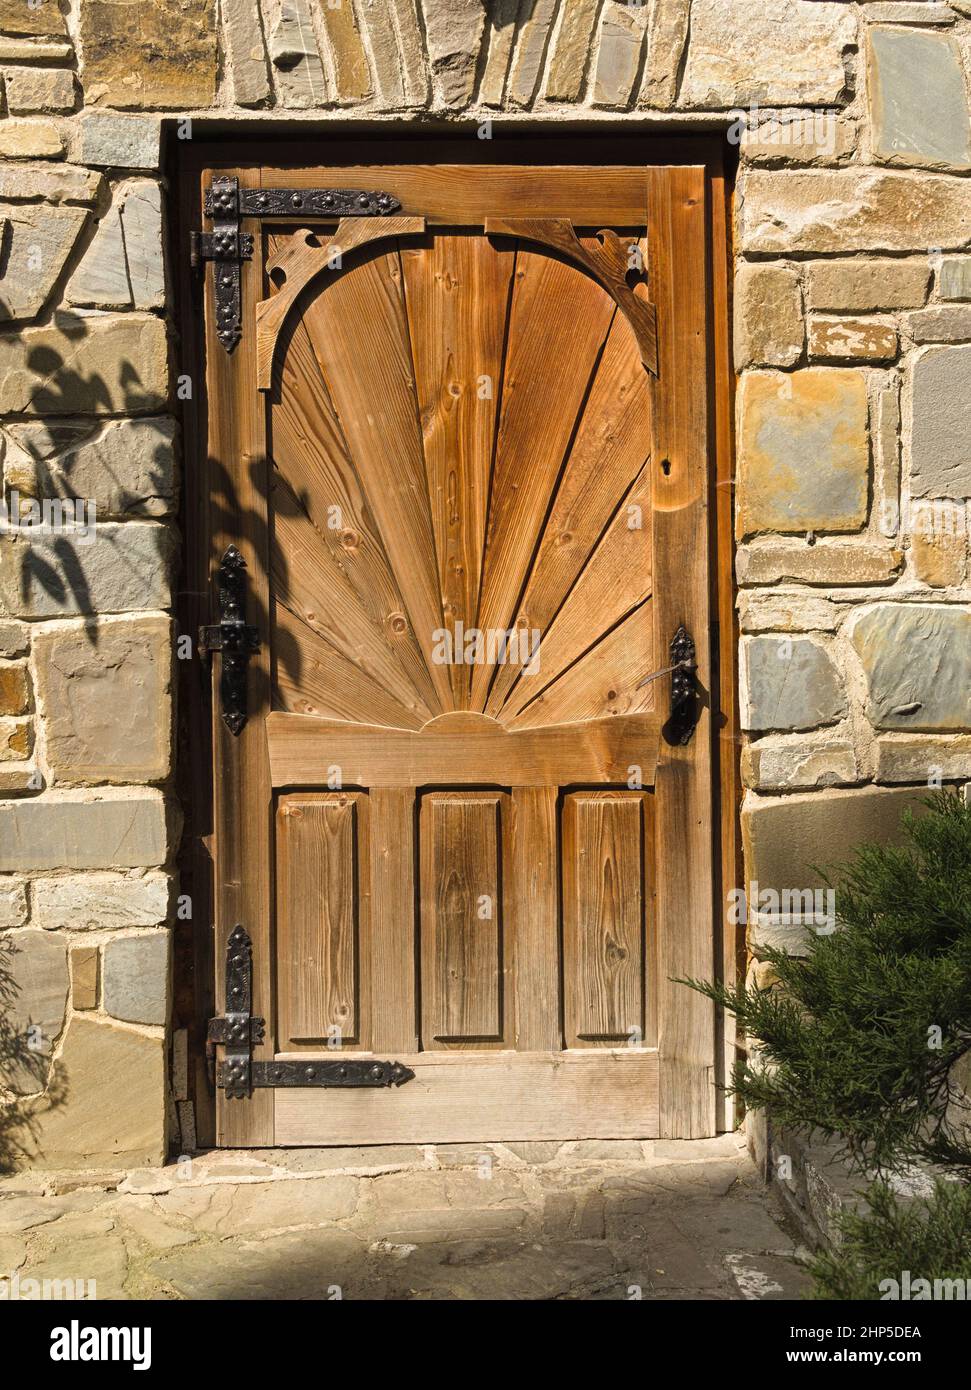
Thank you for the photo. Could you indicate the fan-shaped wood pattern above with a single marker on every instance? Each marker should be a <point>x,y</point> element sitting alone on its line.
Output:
<point>460,434</point>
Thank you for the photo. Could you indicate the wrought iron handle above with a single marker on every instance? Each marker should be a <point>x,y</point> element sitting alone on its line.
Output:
<point>236,639</point>
<point>685,702</point>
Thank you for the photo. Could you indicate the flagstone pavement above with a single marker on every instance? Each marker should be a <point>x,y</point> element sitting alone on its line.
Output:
<point>654,1220</point>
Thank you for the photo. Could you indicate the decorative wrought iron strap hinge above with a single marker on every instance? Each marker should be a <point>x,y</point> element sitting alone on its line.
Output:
<point>236,639</point>
<point>227,245</point>
<point>238,1032</point>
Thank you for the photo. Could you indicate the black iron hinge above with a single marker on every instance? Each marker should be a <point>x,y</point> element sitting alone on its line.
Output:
<point>227,245</point>
<point>233,637</point>
<point>238,1031</point>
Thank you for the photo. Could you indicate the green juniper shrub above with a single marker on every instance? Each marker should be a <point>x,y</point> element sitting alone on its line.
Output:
<point>866,1039</point>
<point>928,1239</point>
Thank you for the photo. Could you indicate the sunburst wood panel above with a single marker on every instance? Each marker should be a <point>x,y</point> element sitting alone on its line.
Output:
<point>478,416</point>
<point>458,304</point>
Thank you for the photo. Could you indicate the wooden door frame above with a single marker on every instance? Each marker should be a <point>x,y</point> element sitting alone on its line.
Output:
<point>714,407</point>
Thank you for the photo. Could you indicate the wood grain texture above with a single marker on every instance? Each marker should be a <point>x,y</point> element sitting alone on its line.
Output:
<point>512,516</point>
<point>394,1021</point>
<point>303,752</point>
<point>730,961</point>
<point>322,928</point>
<point>604,681</point>
<point>604,918</point>
<point>615,582</point>
<point>458,292</point>
<point>533,895</point>
<point>307,260</point>
<point>558,323</point>
<point>475,1097</point>
<point>462,918</point>
<point>314,481</point>
<point>360,336</point>
<point>685,907</point>
<point>612,443</point>
<point>608,259</point>
<point>242,795</point>
<point>314,678</point>
<point>462,195</point>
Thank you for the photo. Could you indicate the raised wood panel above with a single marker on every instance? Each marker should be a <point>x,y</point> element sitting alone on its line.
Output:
<point>462,918</point>
<point>466,1097</point>
<point>322,916</point>
<point>604,917</point>
<point>394,986</point>
<point>533,895</point>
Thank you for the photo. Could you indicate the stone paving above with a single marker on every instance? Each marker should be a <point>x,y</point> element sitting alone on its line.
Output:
<point>622,1220</point>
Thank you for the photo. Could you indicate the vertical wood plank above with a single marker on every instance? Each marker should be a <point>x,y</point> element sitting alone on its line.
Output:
<point>532,892</point>
<point>394,1016</point>
<point>603,917</point>
<point>677,251</point>
<point>727,740</point>
<point>243,795</point>
<point>194,967</point>
<point>461,917</point>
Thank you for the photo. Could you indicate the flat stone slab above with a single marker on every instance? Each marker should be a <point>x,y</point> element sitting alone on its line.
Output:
<point>656,1220</point>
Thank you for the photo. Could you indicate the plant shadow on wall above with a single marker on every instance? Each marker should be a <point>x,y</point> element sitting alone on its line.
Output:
<point>24,1069</point>
<point>51,573</point>
<point>865,1038</point>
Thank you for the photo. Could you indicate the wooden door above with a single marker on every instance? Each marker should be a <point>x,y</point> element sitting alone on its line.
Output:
<point>461,447</point>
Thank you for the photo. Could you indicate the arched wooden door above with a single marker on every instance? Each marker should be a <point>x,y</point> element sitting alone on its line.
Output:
<point>462,444</point>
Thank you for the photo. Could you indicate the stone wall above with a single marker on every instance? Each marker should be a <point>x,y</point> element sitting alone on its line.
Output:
<point>852,338</point>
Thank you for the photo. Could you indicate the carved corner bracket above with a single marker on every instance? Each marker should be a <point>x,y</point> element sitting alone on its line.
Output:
<point>609,264</point>
<point>302,262</point>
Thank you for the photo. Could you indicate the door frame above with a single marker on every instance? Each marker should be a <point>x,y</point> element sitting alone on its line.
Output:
<point>195,968</point>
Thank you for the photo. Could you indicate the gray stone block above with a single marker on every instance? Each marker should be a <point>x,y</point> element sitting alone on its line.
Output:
<point>136,977</point>
<point>790,683</point>
<point>918,99</point>
<point>917,660</point>
<point>126,829</point>
<point>941,438</point>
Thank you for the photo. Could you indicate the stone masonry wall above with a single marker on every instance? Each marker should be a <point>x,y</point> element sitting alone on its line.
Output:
<point>852,338</point>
